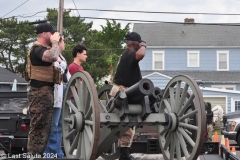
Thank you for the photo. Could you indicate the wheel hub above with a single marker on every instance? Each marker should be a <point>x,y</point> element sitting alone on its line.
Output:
<point>77,121</point>
<point>173,122</point>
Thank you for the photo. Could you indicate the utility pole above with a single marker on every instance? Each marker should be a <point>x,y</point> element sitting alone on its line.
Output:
<point>60,16</point>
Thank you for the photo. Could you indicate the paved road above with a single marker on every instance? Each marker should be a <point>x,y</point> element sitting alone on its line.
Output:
<point>140,156</point>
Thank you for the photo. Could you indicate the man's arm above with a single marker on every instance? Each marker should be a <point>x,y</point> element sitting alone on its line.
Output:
<point>52,54</point>
<point>141,52</point>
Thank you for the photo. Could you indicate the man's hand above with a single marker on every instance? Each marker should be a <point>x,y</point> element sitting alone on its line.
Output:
<point>141,52</point>
<point>143,44</point>
<point>59,60</point>
<point>55,37</point>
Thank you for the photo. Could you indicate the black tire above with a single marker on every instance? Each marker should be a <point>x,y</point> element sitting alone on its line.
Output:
<point>238,139</point>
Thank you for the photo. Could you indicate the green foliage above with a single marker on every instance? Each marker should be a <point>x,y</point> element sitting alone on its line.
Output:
<point>15,38</point>
<point>104,47</point>
<point>112,37</point>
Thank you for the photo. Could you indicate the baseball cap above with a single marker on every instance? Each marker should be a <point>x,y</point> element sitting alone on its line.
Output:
<point>133,36</point>
<point>44,27</point>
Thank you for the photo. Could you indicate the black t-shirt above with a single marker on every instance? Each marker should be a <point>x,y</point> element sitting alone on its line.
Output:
<point>128,70</point>
<point>36,60</point>
<point>209,118</point>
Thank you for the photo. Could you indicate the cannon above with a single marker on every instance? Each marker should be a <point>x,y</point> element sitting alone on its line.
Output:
<point>93,121</point>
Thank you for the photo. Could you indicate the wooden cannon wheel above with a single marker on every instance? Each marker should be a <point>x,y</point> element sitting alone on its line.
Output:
<point>183,135</point>
<point>81,118</point>
<point>103,95</point>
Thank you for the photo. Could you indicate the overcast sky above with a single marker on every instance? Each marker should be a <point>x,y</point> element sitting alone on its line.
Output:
<point>31,7</point>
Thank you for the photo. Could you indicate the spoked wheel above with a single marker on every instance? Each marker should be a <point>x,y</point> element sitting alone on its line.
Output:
<point>81,121</point>
<point>183,135</point>
<point>104,98</point>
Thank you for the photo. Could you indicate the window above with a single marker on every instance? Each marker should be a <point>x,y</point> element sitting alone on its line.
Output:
<point>158,60</point>
<point>237,105</point>
<point>227,87</point>
<point>222,60</point>
<point>193,58</point>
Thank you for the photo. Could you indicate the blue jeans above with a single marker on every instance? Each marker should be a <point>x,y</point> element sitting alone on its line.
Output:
<point>64,89</point>
<point>55,139</point>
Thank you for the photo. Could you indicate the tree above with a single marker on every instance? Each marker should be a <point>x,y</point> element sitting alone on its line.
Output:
<point>112,36</point>
<point>15,38</point>
<point>104,47</point>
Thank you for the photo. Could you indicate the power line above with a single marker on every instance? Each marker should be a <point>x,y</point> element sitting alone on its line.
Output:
<point>16,8</point>
<point>152,21</point>
<point>103,10</point>
<point>76,7</point>
<point>147,21</point>
<point>33,14</point>
<point>19,24</point>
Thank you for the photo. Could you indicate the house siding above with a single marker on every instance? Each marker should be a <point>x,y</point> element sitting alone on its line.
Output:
<point>175,40</point>
<point>228,96</point>
<point>176,59</point>
<point>161,81</point>
<point>237,85</point>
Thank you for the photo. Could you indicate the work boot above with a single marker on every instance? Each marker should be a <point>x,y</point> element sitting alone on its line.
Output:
<point>125,154</point>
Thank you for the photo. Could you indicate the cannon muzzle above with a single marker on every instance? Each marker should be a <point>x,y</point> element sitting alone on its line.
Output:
<point>136,92</point>
<point>156,95</point>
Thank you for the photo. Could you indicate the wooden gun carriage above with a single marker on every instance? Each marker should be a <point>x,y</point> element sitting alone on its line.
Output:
<point>93,121</point>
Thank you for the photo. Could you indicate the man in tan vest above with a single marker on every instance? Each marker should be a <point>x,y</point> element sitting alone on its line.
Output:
<point>42,75</point>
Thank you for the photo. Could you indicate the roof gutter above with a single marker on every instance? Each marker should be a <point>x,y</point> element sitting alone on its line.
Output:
<point>220,82</point>
<point>184,47</point>
<point>219,90</point>
<point>12,83</point>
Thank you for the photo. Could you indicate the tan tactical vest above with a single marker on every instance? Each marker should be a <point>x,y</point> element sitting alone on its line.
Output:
<point>42,73</point>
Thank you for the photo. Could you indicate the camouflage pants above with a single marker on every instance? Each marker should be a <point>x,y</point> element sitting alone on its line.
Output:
<point>126,139</point>
<point>209,132</point>
<point>41,109</point>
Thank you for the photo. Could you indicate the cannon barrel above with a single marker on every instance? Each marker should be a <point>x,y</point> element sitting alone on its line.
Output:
<point>155,95</point>
<point>137,91</point>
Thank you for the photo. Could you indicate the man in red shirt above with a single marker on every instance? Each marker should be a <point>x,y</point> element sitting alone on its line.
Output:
<point>79,53</point>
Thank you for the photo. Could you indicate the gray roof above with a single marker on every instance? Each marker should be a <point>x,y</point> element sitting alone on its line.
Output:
<point>8,76</point>
<point>204,76</point>
<point>180,34</point>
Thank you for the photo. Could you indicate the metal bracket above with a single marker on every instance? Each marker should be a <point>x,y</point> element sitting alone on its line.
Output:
<point>146,108</point>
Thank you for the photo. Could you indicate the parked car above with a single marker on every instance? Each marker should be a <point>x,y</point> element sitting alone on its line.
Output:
<point>14,121</point>
<point>231,126</point>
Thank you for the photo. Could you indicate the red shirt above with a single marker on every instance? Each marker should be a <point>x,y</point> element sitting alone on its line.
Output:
<point>73,68</point>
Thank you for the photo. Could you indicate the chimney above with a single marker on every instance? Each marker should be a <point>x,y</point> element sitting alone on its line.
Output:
<point>188,20</point>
